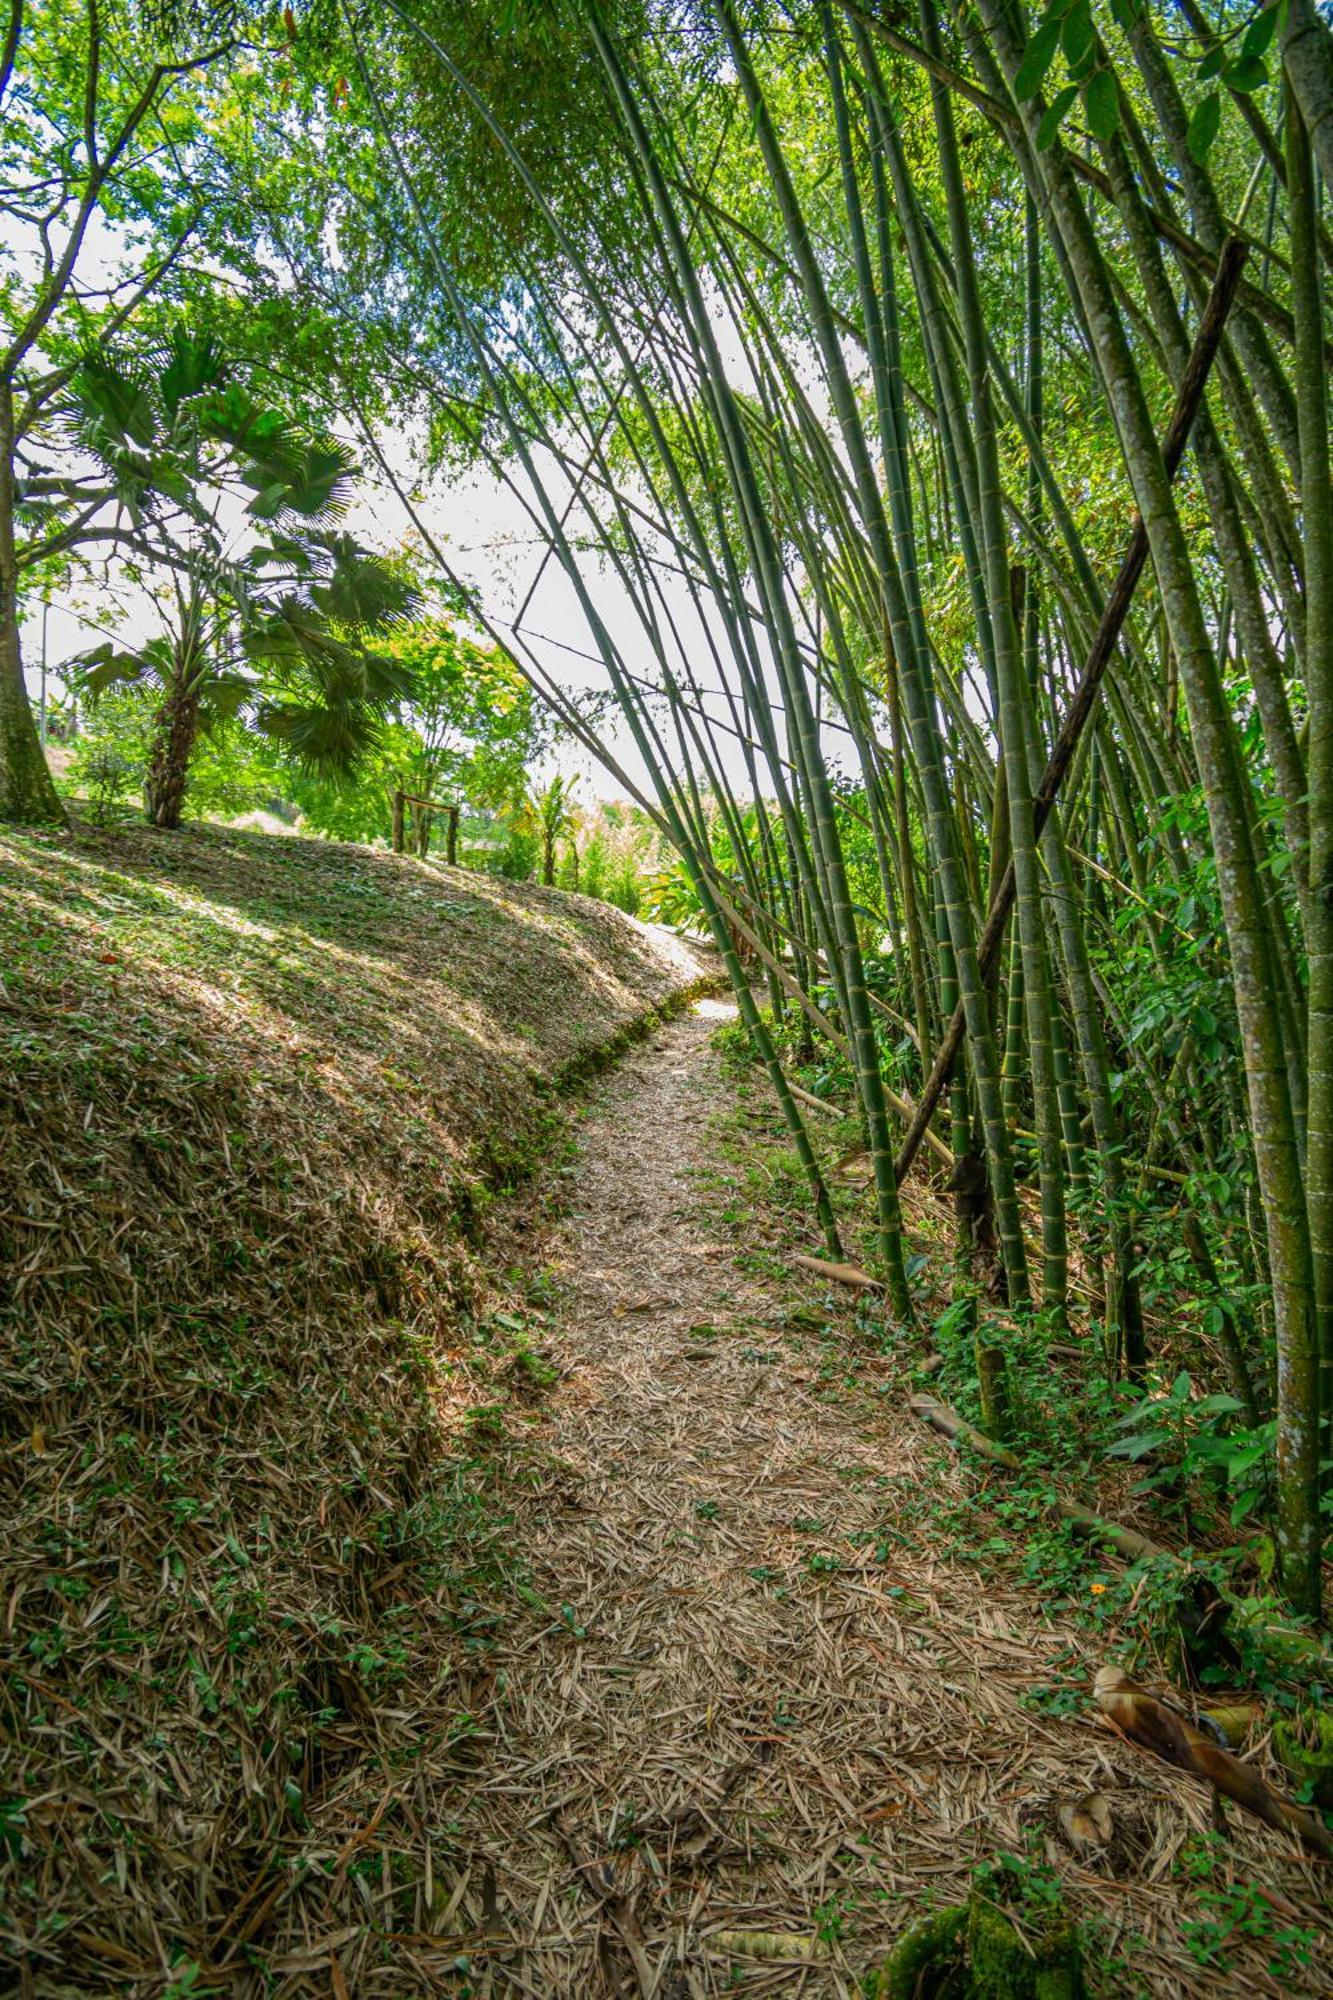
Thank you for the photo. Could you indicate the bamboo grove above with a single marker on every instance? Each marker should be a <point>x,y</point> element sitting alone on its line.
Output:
<point>924,415</point>
<point>947,398</point>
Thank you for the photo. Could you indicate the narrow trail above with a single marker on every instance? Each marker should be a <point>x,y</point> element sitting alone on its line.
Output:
<point>759,1703</point>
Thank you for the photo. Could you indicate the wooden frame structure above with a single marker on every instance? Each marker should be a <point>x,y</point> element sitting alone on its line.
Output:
<point>451,812</point>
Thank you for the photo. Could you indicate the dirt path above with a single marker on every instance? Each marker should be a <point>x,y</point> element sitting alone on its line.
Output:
<point>759,1702</point>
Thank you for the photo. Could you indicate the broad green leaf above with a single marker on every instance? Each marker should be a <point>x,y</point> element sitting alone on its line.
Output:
<point>1037,60</point>
<point>1138,1446</point>
<point>1211,65</point>
<point>1076,32</point>
<point>1055,114</point>
<point>1259,34</point>
<point>1080,71</point>
<point>1247,73</point>
<point>1203,126</point>
<point>1101,101</point>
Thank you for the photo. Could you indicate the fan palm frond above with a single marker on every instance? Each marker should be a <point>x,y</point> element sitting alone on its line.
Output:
<point>223,696</point>
<point>328,741</point>
<point>363,592</point>
<point>107,666</point>
<point>195,364</point>
<point>116,403</point>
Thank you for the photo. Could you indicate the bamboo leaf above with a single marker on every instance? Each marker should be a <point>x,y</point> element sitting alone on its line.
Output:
<point>1101,101</point>
<point>1055,116</point>
<point>1203,126</point>
<point>1037,60</point>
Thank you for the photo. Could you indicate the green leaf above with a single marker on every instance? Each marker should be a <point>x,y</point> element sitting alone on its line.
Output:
<point>103,667</point>
<point>1055,114</point>
<point>1101,100</point>
<point>1137,1446</point>
<point>1247,73</point>
<point>1037,60</point>
<point>270,502</point>
<point>196,364</point>
<point>1211,65</point>
<point>118,400</point>
<point>1259,34</point>
<point>1125,13</point>
<point>1203,126</point>
<point>1080,71</point>
<point>1076,32</point>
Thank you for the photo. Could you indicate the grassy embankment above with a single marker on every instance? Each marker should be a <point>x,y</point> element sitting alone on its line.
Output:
<point>255,1098</point>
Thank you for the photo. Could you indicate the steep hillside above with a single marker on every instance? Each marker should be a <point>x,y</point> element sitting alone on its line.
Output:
<point>254,1096</point>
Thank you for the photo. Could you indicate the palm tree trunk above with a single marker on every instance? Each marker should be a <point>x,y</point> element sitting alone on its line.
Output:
<point>174,732</point>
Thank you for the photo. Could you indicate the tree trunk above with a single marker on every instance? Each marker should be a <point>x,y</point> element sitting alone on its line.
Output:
<point>1245,917</point>
<point>1317,502</point>
<point>27,791</point>
<point>1307,56</point>
<point>169,764</point>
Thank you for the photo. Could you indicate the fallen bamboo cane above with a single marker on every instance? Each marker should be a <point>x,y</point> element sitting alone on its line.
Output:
<point>1127,1542</point>
<point>842,1274</point>
<point>1154,1727</point>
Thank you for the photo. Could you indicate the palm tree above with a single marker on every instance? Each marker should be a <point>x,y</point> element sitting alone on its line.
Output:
<point>550,814</point>
<point>269,607</point>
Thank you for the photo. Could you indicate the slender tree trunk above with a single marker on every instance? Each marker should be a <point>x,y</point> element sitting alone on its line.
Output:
<point>1307,56</point>
<point>27,790</point>
<point>1272,1120</point>
<point>1017,721</point>
<point>1317,510</point>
